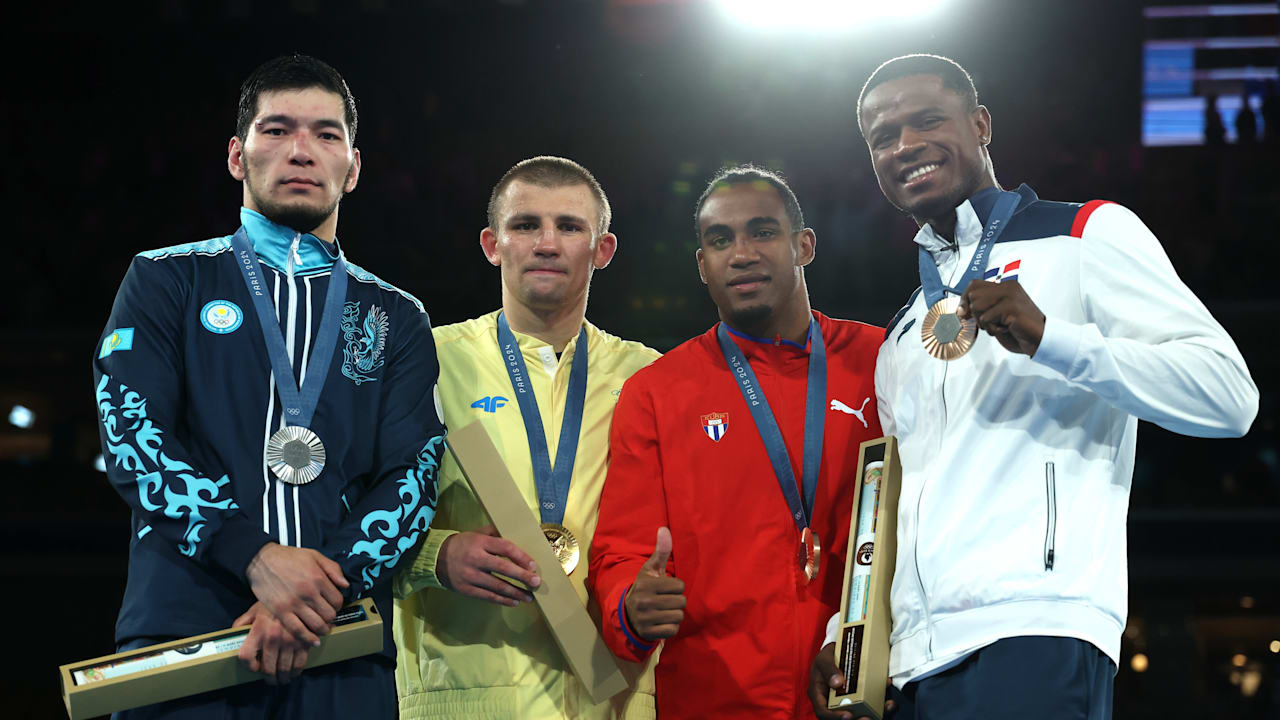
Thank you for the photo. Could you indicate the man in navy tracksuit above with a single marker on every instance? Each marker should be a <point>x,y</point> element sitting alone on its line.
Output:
<point>267,411</point>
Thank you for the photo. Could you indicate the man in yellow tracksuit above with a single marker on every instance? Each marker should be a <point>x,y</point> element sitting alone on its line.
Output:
<point>470,644</point>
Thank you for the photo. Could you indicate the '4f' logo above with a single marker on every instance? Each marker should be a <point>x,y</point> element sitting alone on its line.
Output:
<point>490,404</point>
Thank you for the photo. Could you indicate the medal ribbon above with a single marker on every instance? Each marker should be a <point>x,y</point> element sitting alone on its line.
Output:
<point>552,483</point>
<point>297,406</point>
<point>931,281</point>
<point>815,400</point>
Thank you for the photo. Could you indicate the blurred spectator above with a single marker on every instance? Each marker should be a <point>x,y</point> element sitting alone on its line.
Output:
<point>1246,123</point>
<point>1215,133</point>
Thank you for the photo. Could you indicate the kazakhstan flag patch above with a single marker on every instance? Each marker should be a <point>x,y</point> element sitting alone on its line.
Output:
<point>119,340</point>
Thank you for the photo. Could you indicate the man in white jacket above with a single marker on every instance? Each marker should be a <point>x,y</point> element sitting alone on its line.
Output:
<point>1014,380</point>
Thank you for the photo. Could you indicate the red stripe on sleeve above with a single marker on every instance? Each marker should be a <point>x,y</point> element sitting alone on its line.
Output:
<point>1082,216</point>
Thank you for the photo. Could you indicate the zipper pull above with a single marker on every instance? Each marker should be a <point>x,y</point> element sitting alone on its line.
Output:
<point>293,253</point>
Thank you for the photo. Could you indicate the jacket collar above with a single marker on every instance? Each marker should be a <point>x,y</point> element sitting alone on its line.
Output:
<point>971,217</point>
<point>271,241</point>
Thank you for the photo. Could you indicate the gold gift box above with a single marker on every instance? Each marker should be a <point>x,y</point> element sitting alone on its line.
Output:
<point>571,626</point>
<point>862,646</point>
<point>198,664</point>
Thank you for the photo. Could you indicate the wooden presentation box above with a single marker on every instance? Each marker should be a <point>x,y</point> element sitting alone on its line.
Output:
<point>571,626</point>
<point>862,643</point>
<point>199,664</point>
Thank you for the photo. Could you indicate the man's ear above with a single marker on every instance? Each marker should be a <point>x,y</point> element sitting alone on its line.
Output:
<point>982,124</point>
<point>701,275</point>
<point>606,247</point>
<point>489,244</point>
<point>806,247</point>
<point>353,175</point>
<point>235,158</point>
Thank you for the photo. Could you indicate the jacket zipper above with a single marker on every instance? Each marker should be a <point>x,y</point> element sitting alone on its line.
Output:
<point>924,596</point>
<point>1051,517</point>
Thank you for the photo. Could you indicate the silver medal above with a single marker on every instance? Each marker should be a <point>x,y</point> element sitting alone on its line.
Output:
<point>295,455</point>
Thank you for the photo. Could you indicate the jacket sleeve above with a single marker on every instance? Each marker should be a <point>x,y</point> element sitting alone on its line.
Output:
<point>1150,347</point>
<point>139,389</point>
<point>633,505</point>
<point>885,379</point>
<point>419,570</point>
<point>391,518</point>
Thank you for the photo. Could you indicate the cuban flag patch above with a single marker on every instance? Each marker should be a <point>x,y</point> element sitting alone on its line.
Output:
<point>715,425</point>
<point>1000,274</point>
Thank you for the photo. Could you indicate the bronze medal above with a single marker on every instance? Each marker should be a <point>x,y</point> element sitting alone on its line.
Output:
<point>563,544</point>
<point>810,554</point>
<point>295,455</point>
<point>946,336</point>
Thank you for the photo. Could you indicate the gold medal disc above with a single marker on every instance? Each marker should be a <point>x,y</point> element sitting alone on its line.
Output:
<point>810,554</point>
<point>945,335</point>
<point>563,544</point>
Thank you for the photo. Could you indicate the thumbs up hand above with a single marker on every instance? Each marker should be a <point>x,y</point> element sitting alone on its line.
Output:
<point>655,603</point>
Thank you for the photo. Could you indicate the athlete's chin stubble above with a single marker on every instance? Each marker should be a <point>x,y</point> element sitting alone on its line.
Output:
<point>300,216</point>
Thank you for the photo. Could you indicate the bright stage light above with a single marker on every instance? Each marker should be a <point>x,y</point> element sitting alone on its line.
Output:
<point>821,15</point>
<point>22,417</point>
<point>100,463</point>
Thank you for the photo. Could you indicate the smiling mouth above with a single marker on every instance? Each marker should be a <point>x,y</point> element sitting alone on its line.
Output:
<point>919,174</point>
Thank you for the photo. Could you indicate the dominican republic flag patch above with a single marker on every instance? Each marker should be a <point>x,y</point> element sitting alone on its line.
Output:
<point>715,425</point>
<point>1000,274</point>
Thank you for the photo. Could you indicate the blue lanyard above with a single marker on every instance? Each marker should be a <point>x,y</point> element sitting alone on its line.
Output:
<point>552,483</point>
<point>815,400</point>
<point>931,281</point>
<point>297,406</point>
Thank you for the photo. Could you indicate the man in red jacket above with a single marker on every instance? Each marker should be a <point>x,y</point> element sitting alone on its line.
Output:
<point>725,513</point>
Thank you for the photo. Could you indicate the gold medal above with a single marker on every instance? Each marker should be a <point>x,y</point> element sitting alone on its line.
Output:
<point>563,544</point>
<point>946,336</point>
<point>295,455</point>
<point>810,554</point>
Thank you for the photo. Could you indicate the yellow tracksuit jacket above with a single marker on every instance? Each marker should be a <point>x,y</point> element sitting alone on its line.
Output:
<point>459,657</point>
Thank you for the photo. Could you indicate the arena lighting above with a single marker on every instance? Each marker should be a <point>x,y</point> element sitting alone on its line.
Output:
<point>1275,646</point>
<point>22,417</point>
<point>1138,662</point>
<point>821,15</point>
<point>1239,659</point>
<point>100,463</point>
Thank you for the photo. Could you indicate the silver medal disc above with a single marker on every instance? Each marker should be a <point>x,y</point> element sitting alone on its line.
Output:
<point>295,455</point>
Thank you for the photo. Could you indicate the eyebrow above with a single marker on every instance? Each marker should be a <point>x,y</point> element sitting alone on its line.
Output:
<point>913,115</point>
<point>532,217</point>
<point>754,222</point>
<point>291,121</point>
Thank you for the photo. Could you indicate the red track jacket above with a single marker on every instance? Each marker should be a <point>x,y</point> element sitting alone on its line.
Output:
<point>752,625</point>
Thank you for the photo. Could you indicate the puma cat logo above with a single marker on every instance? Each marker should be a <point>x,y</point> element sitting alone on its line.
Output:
<point>837,405</point>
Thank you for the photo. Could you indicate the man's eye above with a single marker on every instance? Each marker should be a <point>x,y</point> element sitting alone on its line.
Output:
<point>931,121</point>
<point>766,233</point>
<point>273,131</point>
<point>525,226</point>
<point>570,227</point>
<point>329,136</point>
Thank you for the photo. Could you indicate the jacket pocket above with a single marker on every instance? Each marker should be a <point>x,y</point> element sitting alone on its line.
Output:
<point>1051,514</point>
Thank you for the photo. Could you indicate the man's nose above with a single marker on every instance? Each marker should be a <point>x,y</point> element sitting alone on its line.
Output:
<point>300,151</point>
<point>548,242</point>
<point>910,142</point>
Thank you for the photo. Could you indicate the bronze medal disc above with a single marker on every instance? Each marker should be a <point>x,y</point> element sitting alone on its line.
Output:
<point>946,336</point>
<point>295,455</point>
<point>810,554</point>
<point>563,544</point>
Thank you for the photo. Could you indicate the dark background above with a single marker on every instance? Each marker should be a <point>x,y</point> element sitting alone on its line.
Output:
<point>116,120</point>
